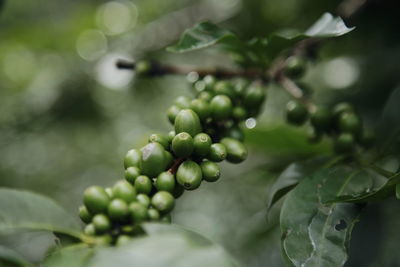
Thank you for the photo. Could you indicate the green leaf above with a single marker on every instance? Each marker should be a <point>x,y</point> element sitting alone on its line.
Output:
<point>9,256</point>
<point>203,35</point>
<point>166,245</point>
<point>315,233</point>
<point>398,191</point>
<point>27,210</point>
<point>290,177</point>
<point>77,256</point>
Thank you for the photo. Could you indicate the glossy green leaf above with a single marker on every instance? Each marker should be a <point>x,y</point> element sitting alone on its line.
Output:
<point>11,257</point>
<point>166,245</point>
<point>27,210</point>
<point>77,256</point>
<point>315,233</point>
<point>203,35</point>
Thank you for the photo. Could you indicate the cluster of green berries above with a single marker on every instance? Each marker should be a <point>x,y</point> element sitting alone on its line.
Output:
<point>206,131</point>
<point>341,122</point>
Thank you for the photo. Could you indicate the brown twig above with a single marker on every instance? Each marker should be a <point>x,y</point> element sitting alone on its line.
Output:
<point>175,165</point>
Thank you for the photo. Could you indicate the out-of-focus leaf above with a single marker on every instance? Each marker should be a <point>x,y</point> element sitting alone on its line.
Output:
<point>27,210</point>
<point>11,258</point>
<point>164,246</point>
<point>76,255</point>
<point>290,177</point>
<point>315,233</point>
<point>398,191</point>
<point>203,35</point>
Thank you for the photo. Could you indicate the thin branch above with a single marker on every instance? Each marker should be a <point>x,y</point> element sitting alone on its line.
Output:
<point>175,165</point>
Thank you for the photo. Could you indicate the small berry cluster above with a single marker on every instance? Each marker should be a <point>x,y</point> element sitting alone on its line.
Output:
<point>207,131</point>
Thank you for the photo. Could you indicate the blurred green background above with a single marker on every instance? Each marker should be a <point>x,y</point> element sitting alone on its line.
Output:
<point>68,116</point>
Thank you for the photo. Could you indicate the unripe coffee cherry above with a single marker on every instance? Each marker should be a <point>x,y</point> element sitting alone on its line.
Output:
<point>117,210</point>
<point>296,113</point>
<point>153,159</point>
<point>340,108</point>
<point>143,184</point>
<point>210,170</point>
<point>221,107</point>
<point>321,119</point>
<point>172,112</point>
<point>206,96</point>
<point>84,214</point>
<point>182,145</point>
<point>96,199</point>
<point>209,81</point>
<point>183,102</point>
<point>131,174</point>
<point>240,86</point>
<point>165,182</point>
<point>234,132</point>
<point>125,191</point>
<point>178,190</point>
<point>143,199</point>
<point>295,67</point>
<point>161,139</point>
<point>349,122</point>
<point>101,223</point>
<point>202,144</point>
<point>189,175</point>
<point>224,88</point>
<point>169,159</point>
<point>153,214</point>
<point>254,96</point>
<point>217,152</point>
<point>187,121</point>
<point>132,158</point>
<point>89,229</point>
<point>163,201</point>
<point>344,143</point>
<point>236,151</point>
<point>123,239</point>
<point>201,107</point>
<point>366,138</point>
<point>239,113</point>
<point>109,192</point>
<point>171,135</point>
<point>138,212</point>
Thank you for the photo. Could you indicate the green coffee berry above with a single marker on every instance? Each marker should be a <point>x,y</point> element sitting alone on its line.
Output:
<point>321,119</point>
<point>89,229</point>
<point>171,135</point>
<point>236,151</point>
<point>189,175</point>
<point>349,122</point>
<point>254,97</point>
<point>165,182</point>
<point>143,184</point>
<point>153,159</point>
<point>96,199</point>
<point>217,152</point>
<point>161,139</point>
<point>163,201</point>
<point>239,113</point>
<point>206,96</point>
<point>201,107</point>
<point>210,171</point>
<point>138,212</point>
<point>209,81</point>
<point>123,239</point>
<point>234,132</point>
<point>131,174</point>
<point>172,112</point>
<point>202,144</point>
<point>169,159</point>
<point>296,113</point>
<point>187,121</point>
<point>143,199</point>
<point>153,214</point>
<point>295,67</point>
<point>240,86</point>
<point>132,158</point>
<point>340,108</point>
<point>199,86</point>
<point>178,190</point>
<point>224,88</point>
<point>125,191</point>
<point>182,145</point>
<point>109,192</point>
<point>183,102</point>
<point>221,107</point>
<point>344,143</point>
<point>101,223</point>
<point>117,210</point>
<point>84,214</point>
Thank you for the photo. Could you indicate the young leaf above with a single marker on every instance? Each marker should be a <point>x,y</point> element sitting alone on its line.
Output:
<point>314,233</point>
<point>26,210</point>
<point>166,245</point>
<point>203,35</point>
